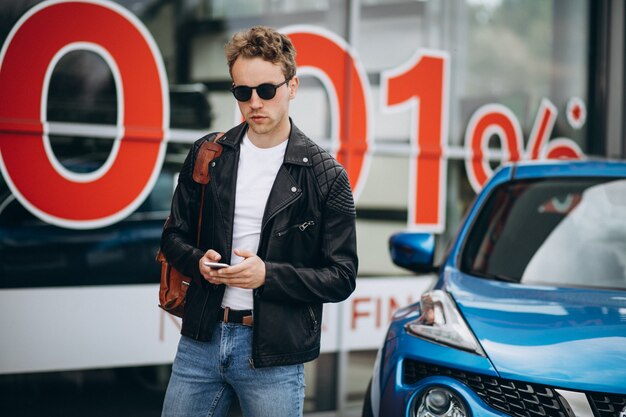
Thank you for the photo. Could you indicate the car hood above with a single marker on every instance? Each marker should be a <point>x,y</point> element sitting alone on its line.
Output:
<point>567,337</point>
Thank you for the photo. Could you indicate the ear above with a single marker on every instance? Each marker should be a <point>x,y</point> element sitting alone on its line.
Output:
<point>293,87</point>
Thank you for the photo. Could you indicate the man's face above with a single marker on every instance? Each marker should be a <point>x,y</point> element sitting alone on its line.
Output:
<point>266,118</point>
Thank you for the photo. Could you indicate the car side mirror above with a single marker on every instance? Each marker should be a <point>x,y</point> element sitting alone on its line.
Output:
<point>413,251</point>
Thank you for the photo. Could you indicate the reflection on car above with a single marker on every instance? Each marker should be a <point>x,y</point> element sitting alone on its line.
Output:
<point>528,314</point>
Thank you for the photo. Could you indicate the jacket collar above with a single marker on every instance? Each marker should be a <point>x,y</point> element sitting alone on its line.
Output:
<point>297,151</point>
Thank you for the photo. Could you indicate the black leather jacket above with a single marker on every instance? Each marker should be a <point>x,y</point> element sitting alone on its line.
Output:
<point>308,244</point>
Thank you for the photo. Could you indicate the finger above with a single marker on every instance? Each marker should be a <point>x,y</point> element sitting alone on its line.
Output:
<point>244,253</point>
<point>231,271</point>
<point>234,282</point>
<point>212,255</point>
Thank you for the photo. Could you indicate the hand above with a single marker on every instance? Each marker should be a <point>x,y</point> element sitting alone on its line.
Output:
<point>249,274</point>
<point>210,256</point>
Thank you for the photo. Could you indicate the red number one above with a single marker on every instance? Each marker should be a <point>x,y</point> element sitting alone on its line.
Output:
<point>421,85</point>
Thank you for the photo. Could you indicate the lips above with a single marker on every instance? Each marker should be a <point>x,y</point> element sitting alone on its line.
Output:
<point>257,118</point>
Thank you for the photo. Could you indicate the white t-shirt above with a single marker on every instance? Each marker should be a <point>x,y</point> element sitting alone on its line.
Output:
<point>255,176</point>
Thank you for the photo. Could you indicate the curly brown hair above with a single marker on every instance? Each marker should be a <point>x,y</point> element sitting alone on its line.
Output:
<point>263,42</point>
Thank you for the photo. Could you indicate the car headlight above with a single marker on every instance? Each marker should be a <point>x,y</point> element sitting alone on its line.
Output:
<point>439,402</point>
<point>441,322</point>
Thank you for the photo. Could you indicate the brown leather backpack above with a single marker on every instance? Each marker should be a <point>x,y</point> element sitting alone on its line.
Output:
<point>174,284</point>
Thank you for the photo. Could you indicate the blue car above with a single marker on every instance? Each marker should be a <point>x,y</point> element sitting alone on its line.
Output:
<point>528,314</point>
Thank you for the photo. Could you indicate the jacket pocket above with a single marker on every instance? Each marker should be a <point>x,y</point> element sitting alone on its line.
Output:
<point>300,227</point>
<point>312,319</point>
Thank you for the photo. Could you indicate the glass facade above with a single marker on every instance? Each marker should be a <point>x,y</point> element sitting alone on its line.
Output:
<point>516,54</point>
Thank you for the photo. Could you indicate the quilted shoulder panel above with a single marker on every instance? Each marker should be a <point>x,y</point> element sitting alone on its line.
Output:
<point>332,180</point>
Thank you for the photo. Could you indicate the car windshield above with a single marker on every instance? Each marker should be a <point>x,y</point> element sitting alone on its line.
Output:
<point>555,231</point>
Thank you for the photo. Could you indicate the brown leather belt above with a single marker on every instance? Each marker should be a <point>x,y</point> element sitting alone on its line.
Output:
<point>236,316</point>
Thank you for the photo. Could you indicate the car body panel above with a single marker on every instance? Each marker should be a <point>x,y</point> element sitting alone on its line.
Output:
<point>549,339</point>
<point>567,337</point>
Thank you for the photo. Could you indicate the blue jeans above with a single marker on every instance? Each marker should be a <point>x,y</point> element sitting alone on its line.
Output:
<point>207,375</point>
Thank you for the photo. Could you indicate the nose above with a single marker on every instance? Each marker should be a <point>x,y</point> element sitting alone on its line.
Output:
<point>255,100</point>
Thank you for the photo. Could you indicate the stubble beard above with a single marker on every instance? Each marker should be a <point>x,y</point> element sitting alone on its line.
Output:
<point>268,126</point>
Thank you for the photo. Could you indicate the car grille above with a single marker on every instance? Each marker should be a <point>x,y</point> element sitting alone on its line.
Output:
<point>607,405</point>
<point>514,398</point>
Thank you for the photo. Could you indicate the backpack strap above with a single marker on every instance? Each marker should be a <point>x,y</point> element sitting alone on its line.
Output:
<point>209,150</point>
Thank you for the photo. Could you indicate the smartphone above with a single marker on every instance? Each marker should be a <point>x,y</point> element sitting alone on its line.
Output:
<point>215,265</point>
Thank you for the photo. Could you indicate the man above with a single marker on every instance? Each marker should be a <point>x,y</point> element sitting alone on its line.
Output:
<point>279,210</point>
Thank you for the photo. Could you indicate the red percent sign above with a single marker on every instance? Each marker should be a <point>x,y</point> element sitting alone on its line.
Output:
<point>495,119</point>
<point>26,63</point>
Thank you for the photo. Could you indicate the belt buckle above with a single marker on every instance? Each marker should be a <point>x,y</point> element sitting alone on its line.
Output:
<point>245,320</point>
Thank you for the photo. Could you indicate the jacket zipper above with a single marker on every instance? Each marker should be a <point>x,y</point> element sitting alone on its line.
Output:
<point>261,236</point>
<point>302,228</point>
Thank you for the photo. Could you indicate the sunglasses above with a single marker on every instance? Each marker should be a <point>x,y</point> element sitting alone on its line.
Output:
<point>265,91</point>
